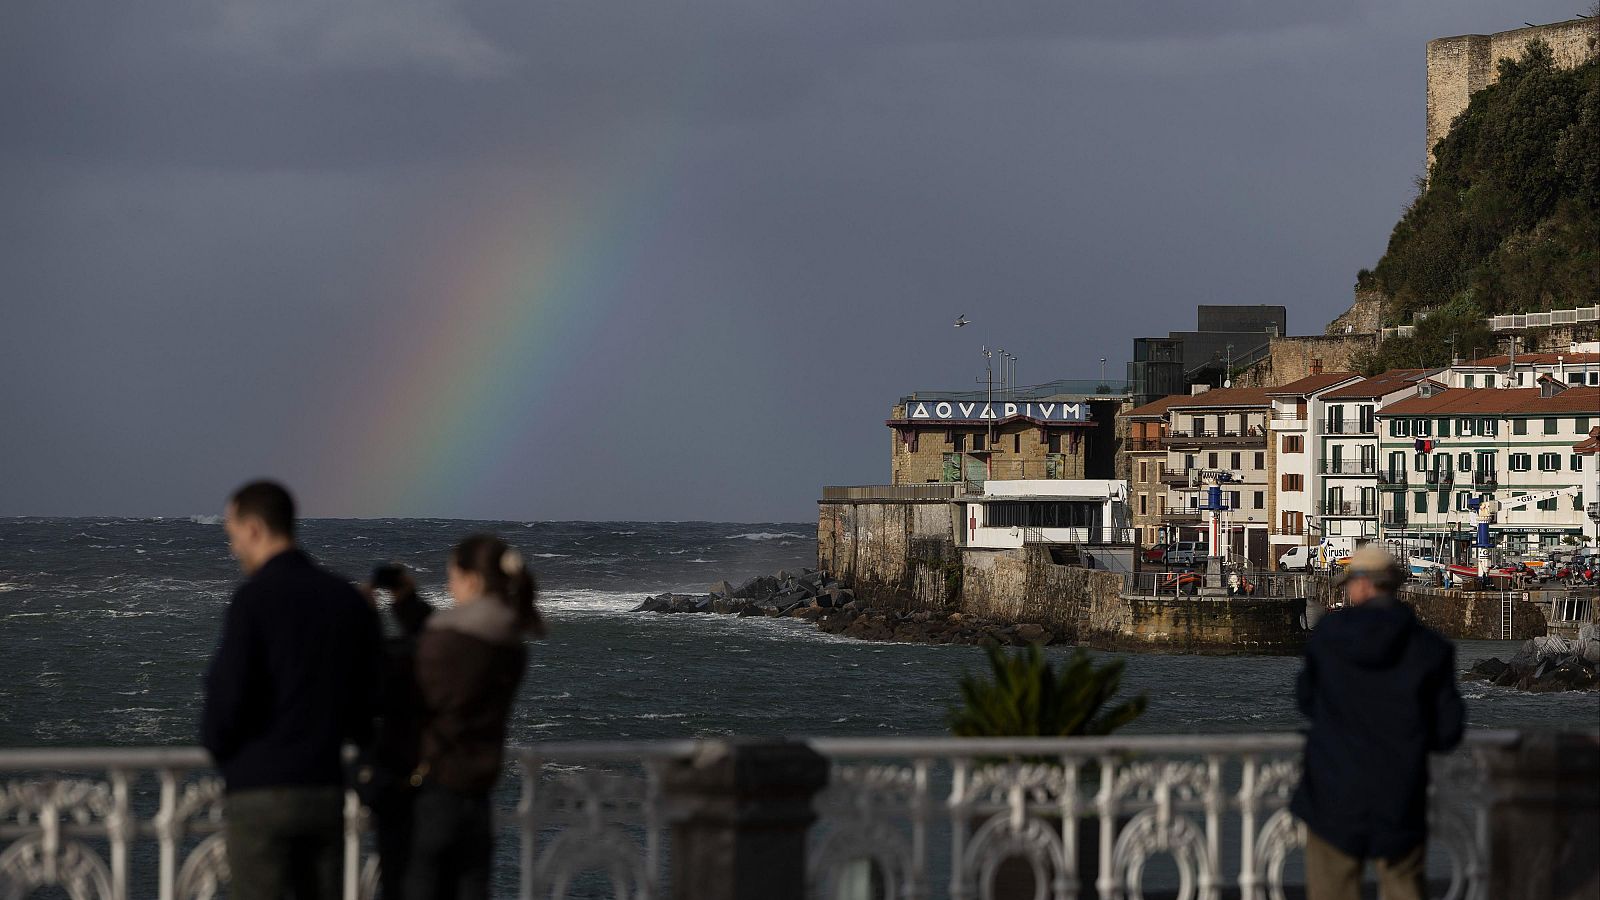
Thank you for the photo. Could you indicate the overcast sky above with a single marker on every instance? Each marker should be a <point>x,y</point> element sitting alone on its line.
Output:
<point>672,260</point>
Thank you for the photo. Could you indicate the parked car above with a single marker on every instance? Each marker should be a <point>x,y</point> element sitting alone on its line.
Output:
<point>1186,553</point>
<point>1156,554</point>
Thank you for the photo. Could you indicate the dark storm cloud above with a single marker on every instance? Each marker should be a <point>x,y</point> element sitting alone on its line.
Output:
<point>212,208</point>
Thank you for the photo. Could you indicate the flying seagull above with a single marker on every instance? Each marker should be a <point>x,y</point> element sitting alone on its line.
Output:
<point>961,321</point>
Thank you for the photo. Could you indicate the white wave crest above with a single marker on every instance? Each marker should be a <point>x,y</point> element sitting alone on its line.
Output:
<point>767,536</point>
<point>206,520</point>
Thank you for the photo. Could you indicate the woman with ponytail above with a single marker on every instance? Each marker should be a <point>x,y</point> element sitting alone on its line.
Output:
<point>469,661</point>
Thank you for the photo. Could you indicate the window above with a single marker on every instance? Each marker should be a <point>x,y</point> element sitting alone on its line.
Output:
<point>1054,445</point>
<point>1488,427</point>
<point>1419,462</point>
<point>1420,428</point>
<point>961,442</point>
<point>1520,462</point>
<point>1194,501</point>
<point>1576,462</point>
<point>1549,462</point>
<point>1464,427</point>
<point>1420,501</point>
<point>1161,504</point>
<point>1581,426</point>
<point>1444,428</point>
<point>977,441</point>
<point>1293,482</point>
<point>1402,427</point>
<point>1461,501</point>
<point>1261,460</point>
<point>1213,461</point>
<point>1144,504</point>
<point>1233,499</point>
<point>1016,443</point>
<point>1574,378</point>
<point>1294,443</point>
<point>1519,426</point>
<point>1236,464</point>
<point>1464,462</point>
<point>1547,505</point>
<point>1144,472</point>
<point>1550,426</point>
<point>1188,460</point>
<point>1577,501</point>
<point>1469,381</point>
<point>1261,499</point>
<point>1485,460</point>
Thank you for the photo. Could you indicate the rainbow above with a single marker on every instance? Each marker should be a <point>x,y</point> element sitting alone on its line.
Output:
<point>491,340</point>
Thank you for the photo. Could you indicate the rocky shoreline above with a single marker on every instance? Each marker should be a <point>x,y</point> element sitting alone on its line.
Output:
<point>831,606</point>
<point>1546,664</point>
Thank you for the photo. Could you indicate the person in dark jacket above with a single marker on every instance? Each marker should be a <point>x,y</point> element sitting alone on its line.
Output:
<point>384,777</point>
<point>293,679</point>
<point>1380,690</point>
<point>470,661</point>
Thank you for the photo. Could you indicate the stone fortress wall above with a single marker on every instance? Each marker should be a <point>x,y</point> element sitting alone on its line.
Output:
<point>1462,65</point>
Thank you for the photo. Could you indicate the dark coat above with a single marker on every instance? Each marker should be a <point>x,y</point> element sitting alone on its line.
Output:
<point>1380,690</point>
<point>294,677</point>
<point>469,663</point>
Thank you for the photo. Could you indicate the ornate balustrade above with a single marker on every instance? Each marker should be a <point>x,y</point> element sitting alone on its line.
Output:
<point>897,818</point>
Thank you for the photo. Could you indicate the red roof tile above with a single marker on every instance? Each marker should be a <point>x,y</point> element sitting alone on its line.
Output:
<point>1311,384</point>
<point>1498,401</point>
<point>1377,385</point>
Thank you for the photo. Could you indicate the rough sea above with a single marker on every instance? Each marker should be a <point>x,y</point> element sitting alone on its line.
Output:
<point>106,627</point>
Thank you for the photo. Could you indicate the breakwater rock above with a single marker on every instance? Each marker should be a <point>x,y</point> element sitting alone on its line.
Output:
<point>1546,664</point>
<point>834,608</point>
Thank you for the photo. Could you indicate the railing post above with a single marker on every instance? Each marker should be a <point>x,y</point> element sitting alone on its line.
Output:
<point>1544,814</point>
<point>740,810</point>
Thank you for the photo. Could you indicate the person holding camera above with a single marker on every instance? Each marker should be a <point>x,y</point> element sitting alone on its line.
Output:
<point>383,777</point>
<point>470,661</point>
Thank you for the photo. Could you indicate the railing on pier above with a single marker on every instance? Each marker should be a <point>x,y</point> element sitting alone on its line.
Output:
<point>919,491</point>
<point>1214,585</point>
<point>911,817</point>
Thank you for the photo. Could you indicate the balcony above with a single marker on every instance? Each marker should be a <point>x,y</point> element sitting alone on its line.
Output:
<point>1141,444</point>
<point>816,815</point>
<point>1485,479</point>
<point>1347,427</point>
<point>1439,479</point>
<point>1289,423</point>
<point>1349,467</point>
<point>1391,479</point>
<point>1255,436</point>
<point>1394,517</point>
<point>1345,508</point>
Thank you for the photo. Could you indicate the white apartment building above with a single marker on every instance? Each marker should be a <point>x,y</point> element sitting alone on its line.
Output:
<point>1443,446</point>
<point>1347,478</point>
<point>1579,366</point>
<point>1295,435</point>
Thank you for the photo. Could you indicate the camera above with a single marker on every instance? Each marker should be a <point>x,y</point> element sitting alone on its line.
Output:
<point>388,577</point>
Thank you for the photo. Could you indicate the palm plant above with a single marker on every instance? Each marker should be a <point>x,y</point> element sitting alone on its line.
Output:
<point>1026,697</point>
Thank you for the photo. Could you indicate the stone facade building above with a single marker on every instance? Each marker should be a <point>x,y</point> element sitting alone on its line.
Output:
<point>1219,430</point>
<point>1145,457</point>
<point>939,440</point>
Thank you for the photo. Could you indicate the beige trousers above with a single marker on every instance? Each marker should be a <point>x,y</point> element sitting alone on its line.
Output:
<point>1331,874</point>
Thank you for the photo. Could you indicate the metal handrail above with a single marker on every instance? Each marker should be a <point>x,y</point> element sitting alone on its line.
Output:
<point>1347,427</point>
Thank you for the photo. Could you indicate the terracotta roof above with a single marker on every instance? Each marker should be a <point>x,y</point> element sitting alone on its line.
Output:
<point>1536,359</point>
<point>1377,385</point>
<point>1311,384</point>
<point>1590,444</point>
<point>1498,401</point>
<point>1155,408</point>
<point>1220,397</point>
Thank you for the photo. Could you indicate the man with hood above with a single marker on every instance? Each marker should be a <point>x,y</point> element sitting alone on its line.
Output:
<point>1380,690</point>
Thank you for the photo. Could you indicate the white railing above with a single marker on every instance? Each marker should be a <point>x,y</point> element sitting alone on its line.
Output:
<point>902,818</point>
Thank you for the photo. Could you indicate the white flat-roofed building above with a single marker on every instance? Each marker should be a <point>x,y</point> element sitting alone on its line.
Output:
<point>1295,431</point>
<point>1011,514</point>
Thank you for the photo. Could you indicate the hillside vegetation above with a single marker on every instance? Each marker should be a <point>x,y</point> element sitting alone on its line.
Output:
<point>1509,219</point>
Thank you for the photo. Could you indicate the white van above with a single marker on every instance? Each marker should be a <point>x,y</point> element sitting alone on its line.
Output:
<point>1186,553</point>
<point>1298,558</point>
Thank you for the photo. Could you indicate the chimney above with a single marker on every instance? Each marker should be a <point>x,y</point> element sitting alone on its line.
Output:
<point>1196,389</point>
<point>1316,366</point>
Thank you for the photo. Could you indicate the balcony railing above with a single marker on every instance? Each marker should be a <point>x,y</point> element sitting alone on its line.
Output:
<point>1391,479</point>
<point>1349,467</point>
<point>1346,508</point>
<point>1438,478</point>
<point>924,817</point>
<point>1066,534</point>
<point>1250,436</point>
<point>1485,478</point>
<point>1347,427</point>
<point>1394,517</point>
